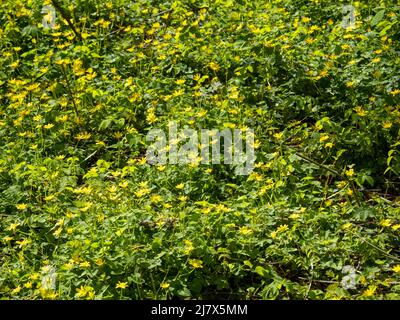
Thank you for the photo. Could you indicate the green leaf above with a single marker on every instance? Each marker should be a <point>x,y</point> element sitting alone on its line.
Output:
<point>384,30</point>
<point>370,180</point>
<point>378,17</point>
<point>261,271</point>
<point>105,124</point>
<point>184,292</point>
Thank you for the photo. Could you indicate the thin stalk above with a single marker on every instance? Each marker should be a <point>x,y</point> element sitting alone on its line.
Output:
<point>71,96</point>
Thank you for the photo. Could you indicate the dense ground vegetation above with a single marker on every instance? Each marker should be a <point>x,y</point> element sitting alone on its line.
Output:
<point>83,216</point>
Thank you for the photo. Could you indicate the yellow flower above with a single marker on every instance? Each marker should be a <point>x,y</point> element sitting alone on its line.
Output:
<point>123,184</point>
<point>7,238</point>
<point>14,64</point>
<point>347,225</point>
<point>370,291</point>
<point>341,184</point>
<point>57,232</point>
<point>151,117</point>
<point>180,186</point>
<point>84,291</point>
<point>142,161</point>
<point>100,143</point>
<point>363,280</point>
<point>99,262</point>
<point>395,92</point>
<point>360,111</point>
<point>180,81</point>
<point>182,198</point>
<point>121,285</point>
<point>83,136</point>
<point>274,234</point>
<point>214,66</point>
<point>164,285</point>
<point>229,125</point>
<point>294,216</point>
<point>37,118</point>
<point>323,73</point>
<point>142,192</point>
<point>323,138</point>
<point>16,290</point>
<point>282,228</point>
<point>385,223</point>
<point>245,230</point>
<point>48,126</point>
<point>350,84</point>
<point>13,226</point>
<point>85,264</point>
<point>87,206</point>
<point>396,268</point>
<point>23,243</point>
<point>49,197</point>
<point>195,263</point>
<point>112,189</point>
<point>34,276</point>
<point>21,206</point>
<point>349,172</point>
<point>278,136</point>
<point>62,61</point>
<point>396,227</point>
<point>188,247</point>
<point>178,93</point>
<point>387,125</point>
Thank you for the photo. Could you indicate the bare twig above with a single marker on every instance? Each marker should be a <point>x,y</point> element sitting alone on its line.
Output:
<point>319,164</point>
<point>66,16</point>
<point>319,281</point>
<point>311,281</point>
<point>332,171</point>
<point>376,247</point>
<point>89,156</point>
